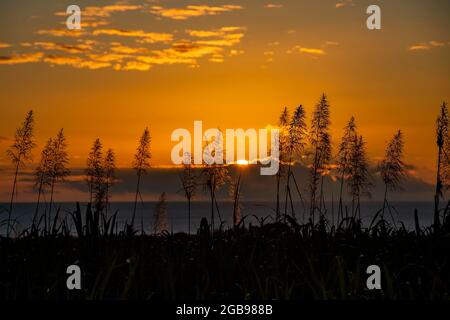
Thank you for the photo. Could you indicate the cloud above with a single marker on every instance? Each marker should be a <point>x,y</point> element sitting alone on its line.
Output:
<point>235,52</point>
<point>437,43</point>
<point>134,65</point>
<point>21,58</point>
<point>204,33</point>
<point>419,47</point>
<point>108,57</point>
<point>75,62</point>
<point>313,52</point>
<point>166,57</point>
<point>62,60</point>
<point>182,52</point>
<point>217,59</point>
<point>227,36</point>
<point>192,50</point>
<point>273,6</point>
<point>3,139</point>
<point>345,3</point>
<point>426,45</point>
<point>52,46</point>
<point>149,37</point>
<point>192,11</point>
<point>330,43</point>
<point>61,32</point>
<point>227,41</point>
<point>214,32</point>
<point>256,187</point>
<point>119,48</point>
<point>310,51</point>
<point>85,23</point>
<point>104,11</point>
<point>4,45</point>
<point>121,56</point>
<point>269,56</point>
<point>95,16</point>
<point>92,55</point>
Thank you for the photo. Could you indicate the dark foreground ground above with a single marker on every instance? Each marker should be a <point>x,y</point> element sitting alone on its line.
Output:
<point>274,261</point>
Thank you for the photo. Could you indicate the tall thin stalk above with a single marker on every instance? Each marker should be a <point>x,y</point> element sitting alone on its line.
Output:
<point>188,181</point>
<point>141,164</point>
<point>295,145</point>
<point>283,125</point>
<point>392,168</point>
<point>443,163</point>
<point>20,153</point>
<point>320,141</point>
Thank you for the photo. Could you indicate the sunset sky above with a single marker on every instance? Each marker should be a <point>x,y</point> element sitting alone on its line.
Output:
<point>232,64</point>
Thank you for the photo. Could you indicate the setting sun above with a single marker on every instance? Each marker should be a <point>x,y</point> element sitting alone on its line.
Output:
<point>242,162</point>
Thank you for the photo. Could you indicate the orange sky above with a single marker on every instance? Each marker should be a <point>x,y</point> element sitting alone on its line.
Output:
<point>232,64</point>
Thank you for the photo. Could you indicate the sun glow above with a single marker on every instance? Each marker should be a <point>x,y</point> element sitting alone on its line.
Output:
<point>242,162</point>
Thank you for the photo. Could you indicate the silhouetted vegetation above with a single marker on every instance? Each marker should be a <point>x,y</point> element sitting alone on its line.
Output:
<point>392,168</point>
<point>320,140</point>
<point>443,164</point>
<point>214,175</point>
<point>189,184</point>
<point>270,261</point>
<point>20,153</point>
<point>141,164</point>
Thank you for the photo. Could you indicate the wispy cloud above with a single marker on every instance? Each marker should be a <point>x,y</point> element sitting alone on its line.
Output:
<point>61,32</point>
<point>330,43</point>
<point>273,6</point>
<point>220,42</point>
<point>4,45</point>
<point>94,16</point>
<point>419,47</point>
<point>426,45</point>
<point>269,56</point>
<point>312,51</point>
<point>309,51</point>
<point>123,49</point>
<point>104,11</point>
<point>21,58</point>
<point>134,65</point>
<point>214,32</point>
<point>108,57</point>
<point>345,3</point>
<point>70,48</point>
<point>185,52</point>
<point>76,62</point>
<point>437,43</point>
<point>149,37</point>
<point>225,36</point>
<point>78,49</point>
<point>181,52</point>
<point>192,11</point>
<point>234,52</point>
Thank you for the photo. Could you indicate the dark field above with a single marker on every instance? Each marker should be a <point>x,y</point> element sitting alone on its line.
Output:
<point>272,261</point>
